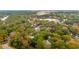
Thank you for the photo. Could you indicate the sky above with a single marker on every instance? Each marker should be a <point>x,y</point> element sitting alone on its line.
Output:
<point>39,5</point>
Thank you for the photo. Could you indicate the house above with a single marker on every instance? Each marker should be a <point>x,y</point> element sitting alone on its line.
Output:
<point>47,44</point>
<point>51,19</point>
<point>4,18</point>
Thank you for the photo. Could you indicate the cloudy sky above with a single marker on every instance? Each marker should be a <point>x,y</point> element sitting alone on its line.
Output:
<point>39,4</point>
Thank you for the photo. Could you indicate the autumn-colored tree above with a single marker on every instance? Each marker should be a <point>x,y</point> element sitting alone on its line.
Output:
<point>73,44</point>
<point>66,38</point>
<point>56,41</point>
<point>75,29</point>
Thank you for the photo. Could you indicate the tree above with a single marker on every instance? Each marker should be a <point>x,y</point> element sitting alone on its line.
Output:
<point>66,38</point>
<point>65,30</point>
<point>39,43</point>
<point>1,47</point>
<point>56,41</point>
<point>75,29</point>
<point>40,37</point>
<point>19,40</point>
<point>73,44</point>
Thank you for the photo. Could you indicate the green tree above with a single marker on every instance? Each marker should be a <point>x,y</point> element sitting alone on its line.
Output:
<point>56,41</point>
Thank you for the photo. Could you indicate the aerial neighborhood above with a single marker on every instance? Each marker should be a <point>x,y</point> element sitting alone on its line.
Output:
<point>45,29</point>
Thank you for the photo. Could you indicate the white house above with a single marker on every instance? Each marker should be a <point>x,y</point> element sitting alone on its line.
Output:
<point>4,18</point>
<point>64,20</point>
<point>51,19</point>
